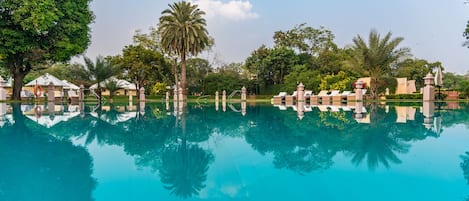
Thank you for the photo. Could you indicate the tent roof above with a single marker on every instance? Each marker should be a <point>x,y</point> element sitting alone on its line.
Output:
<point>70,85</point>
<point>45,79</point>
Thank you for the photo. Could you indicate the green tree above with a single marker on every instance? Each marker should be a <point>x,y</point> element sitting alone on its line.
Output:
<point>377,56</point>
<point>416,69</point>
<point>271,65</point>
<point>143,65</point>
<point>112,87</point>
<point>305,39</point>
<point>99,71</point>
<point>183,32</point>
<point>340,81</point>
<point>198,69</point>
<point>35,32</point>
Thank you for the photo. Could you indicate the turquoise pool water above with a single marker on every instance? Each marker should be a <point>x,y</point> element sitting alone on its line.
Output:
<point>260,152</point>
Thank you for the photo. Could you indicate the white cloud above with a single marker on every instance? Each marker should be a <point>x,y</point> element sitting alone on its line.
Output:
<point>236,10</point>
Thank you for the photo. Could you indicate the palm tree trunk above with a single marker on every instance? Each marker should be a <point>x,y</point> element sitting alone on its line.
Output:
<point>183,76</point>
<point>374,87</point>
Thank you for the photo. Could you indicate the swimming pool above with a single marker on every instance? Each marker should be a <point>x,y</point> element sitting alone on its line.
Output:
<point>257,152</point>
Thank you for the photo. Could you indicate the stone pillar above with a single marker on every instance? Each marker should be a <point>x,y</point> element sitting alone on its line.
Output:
<point>428,112</point>
<point>167,96</point>
<point>243,94</point>
<point>175,94</point>
<point>51,108</point>
<point>3,112</point>
<point>180,95</point>
<point>243,108</point>
<point>3,95</point>
<point>142,94</point>
<point>429,90</point>
<point>142,107</point>
<point>81,95</point>
<point>300,93</point>
<point>50,92</point>
<point>223,97</point>
<point>130,96</point>
<point>358,110</point>
<point>217,99</point>
<point>359,91</point>
<point>81,106</point>
<point>300,109</point>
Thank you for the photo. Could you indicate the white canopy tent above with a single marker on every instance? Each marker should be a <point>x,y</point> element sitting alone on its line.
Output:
<point>45,80</point>
<point>70,86</point>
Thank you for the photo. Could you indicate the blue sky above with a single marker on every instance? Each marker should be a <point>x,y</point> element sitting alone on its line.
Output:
<point>432,28</point>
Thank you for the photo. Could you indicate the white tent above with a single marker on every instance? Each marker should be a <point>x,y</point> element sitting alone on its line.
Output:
<point>45,79</point>
<point>70,86</point>
<point>47,120</point>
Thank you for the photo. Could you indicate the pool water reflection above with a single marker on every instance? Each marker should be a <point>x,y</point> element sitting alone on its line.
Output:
<point>237,152</point>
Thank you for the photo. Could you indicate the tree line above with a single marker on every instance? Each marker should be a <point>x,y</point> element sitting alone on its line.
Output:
<point>161,57</point>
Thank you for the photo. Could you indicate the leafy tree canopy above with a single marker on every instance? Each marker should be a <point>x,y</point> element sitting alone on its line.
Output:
<point>33,32</point>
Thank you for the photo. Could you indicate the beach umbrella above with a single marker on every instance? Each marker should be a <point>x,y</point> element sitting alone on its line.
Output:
<point>439,77</point>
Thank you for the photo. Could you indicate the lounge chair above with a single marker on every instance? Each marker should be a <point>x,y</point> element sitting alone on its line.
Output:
<point>339,98</point>
<point>280,98</point>
<point>308,108</point>
<point>290,99</point>
<point>353,96</point>
<point>325,100</point>
<point>307,95</point>
<point>26,95</point>
<point>314,99</point>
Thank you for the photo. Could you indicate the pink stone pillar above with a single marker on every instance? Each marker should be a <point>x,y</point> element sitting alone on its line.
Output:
<point>300,93</point>
<point>359,91</point>
<point>429,90</point>
<point>50,92</point>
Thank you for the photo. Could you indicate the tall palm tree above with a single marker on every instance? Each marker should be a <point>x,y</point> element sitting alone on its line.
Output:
<point>183,32</point>
<point>377,56</point>
<point>99,71</point>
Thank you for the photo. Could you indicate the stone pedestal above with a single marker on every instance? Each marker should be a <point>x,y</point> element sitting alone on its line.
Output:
<point>81,93</point>
<point>167,96</point>
<point>428,110</point>
<point>223,96</point>
<point>243,108</point>
<point>50,93</point>
<point>429,90</point>
<point>216,97</point>
<point>175,94</point>
<point>300,92</point>
<point>180,95</point>
<point>300,109</point>
<point>243,94</point>
<point>142,94</point>
<point>359,91</point>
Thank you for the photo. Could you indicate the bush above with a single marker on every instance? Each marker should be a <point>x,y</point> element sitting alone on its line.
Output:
<point>405,96</point>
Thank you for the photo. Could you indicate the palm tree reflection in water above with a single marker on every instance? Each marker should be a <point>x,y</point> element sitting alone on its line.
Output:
<point>184,169</point>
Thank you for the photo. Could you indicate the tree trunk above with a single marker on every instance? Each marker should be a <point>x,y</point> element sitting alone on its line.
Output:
<point>183,76</point>
<point>18,77</point>
<point>175,71</point>
<point>99,94</point>
<point>374,88</point>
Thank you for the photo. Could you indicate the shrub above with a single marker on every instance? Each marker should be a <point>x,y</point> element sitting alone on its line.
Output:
<point>405,96</point>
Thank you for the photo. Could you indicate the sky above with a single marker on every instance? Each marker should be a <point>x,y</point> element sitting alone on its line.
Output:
<point>432,29</point>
